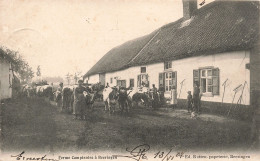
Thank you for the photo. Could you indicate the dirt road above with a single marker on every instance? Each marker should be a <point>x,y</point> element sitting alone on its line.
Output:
<point>33,124</point>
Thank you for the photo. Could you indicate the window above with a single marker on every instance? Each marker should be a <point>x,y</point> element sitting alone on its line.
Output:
<point>143,69</point>
<point>208,80</point>
<point>131,82</point>
<point>111,80</point>
<point>142,80</point>
<point>168,65</point>
<point>168,81</point>
<point>121,83</point>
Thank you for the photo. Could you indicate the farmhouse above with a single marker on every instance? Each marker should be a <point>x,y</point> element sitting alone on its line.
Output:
<point>6,76</point>
<point>216,46</point>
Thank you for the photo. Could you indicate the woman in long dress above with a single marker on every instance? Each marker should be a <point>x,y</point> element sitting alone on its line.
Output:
<point>79,101</point>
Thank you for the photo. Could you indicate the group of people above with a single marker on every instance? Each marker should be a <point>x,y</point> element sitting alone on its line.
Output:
<point>194,101</point>
<point>78,100</point>
<point>80,94</point>
<point>119,95</point>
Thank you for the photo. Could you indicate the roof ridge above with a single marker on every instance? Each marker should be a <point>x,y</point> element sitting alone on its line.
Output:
<point>211,33</point>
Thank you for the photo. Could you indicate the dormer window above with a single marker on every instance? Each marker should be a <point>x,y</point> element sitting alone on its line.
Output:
<point>167,65</point>
<point>143,69</point>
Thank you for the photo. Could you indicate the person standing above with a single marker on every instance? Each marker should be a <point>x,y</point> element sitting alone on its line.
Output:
<point>155,97</point>
<point>196,97</point>
<point>122,99</point>
<point>161,94</point>
<point>58,95</point>
<point>189,101</point>
<point>112,100</point>
<point>79,105</point>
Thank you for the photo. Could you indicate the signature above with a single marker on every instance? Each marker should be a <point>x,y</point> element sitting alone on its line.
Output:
<point>21,157</point>
<point>140,153</point>
<point>137,153</point>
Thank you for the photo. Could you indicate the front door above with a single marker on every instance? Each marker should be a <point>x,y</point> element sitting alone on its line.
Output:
<point>102,79</point>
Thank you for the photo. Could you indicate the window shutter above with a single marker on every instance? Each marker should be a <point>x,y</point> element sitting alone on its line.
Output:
<point>123,83</point>
<point>196,77</point>
<point>161,80</point>
<point>215,81</point>
<point>131,82</point>
<point>139,81</point>
<point>147,81</point>
<point>174,80</point>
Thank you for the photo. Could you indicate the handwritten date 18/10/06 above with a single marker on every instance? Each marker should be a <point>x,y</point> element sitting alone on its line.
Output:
<point>166,156</point>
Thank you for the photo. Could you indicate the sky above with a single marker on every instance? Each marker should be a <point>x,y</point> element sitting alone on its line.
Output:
<point>64,36</point>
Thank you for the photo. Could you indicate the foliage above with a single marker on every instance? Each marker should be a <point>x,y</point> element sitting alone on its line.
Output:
<point>19,65</point>
<point>73,78</point>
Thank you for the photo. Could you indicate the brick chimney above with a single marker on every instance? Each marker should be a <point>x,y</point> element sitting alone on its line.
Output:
<point>189,6</point>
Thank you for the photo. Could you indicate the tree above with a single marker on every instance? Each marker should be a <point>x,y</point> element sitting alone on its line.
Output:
<point>19,65</point>
<point>77,76</point>
<point>68,77</point>
<point>38,71</point>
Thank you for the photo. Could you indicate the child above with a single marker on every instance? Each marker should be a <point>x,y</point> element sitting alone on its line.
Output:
<point>189,101</point>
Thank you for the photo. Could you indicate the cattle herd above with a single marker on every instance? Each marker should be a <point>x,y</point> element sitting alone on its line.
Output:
<point>114,98</point>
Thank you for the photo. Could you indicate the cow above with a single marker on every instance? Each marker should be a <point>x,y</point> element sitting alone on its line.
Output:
<point>90,98</point>
<point>98,89</point>
<point>67,98</point>
<point>140,95</point>
<point>47,91</point>
<point>58,97</point>
<point>27,90</point>
<point>123,99</point>
<point>112,100</point>
<point>106,93</point>
<point>39,91</point>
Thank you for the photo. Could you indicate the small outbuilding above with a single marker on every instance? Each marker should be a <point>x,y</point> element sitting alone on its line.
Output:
<point>6,76</point>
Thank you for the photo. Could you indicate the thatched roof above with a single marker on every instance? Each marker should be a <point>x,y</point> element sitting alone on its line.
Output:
<point>218,27</point>
<point>118,57</point>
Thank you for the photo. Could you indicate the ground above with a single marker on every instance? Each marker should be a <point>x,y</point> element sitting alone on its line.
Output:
<point>34,124</point>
